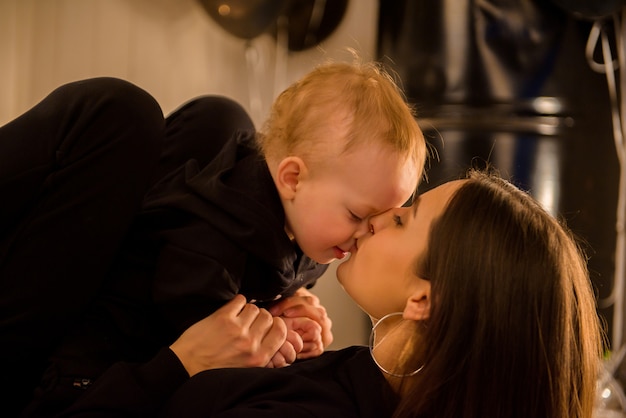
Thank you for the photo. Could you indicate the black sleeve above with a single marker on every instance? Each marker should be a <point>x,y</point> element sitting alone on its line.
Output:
<point>260,392</point>
<point>136,390</point>
<point>189,286</point>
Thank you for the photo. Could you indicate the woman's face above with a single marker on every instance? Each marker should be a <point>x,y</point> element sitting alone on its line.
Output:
<point>380,273</point>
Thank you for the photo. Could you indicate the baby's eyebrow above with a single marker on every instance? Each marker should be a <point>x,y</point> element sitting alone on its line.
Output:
<point>373,211</point>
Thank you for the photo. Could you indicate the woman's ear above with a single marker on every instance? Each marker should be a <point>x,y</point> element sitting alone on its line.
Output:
<point>290,172</point>
<point>418,305</point>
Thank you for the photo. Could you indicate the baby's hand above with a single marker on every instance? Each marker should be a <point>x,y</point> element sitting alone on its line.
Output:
<point>288,352</point>
<point>304,314</point>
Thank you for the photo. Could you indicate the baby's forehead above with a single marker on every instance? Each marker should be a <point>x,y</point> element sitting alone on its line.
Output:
<point>377,205</point>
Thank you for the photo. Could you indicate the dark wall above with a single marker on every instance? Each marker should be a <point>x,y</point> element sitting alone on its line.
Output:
<point>507,82</point>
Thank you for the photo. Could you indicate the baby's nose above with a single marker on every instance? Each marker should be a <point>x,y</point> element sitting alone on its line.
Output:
<point>362,229</point>
<point>378,222</point>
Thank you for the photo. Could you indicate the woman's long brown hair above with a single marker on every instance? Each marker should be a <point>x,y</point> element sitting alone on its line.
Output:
<point>513,329</point>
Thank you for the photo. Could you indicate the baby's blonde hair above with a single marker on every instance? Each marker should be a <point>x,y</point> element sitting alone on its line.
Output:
<point>369,103</point>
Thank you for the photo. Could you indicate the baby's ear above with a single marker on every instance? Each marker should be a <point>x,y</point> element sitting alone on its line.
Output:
<point>418,305</point>
<point>290,172</point>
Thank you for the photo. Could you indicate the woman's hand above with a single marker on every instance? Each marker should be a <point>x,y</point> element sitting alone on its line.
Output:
<point>304,314</point>
<point>238,334</point>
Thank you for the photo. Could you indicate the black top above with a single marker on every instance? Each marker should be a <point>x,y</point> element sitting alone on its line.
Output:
<point>344,383</point>
<point>217,232</point>
<point>202,237</point>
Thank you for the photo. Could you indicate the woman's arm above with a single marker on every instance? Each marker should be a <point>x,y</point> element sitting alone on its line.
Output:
<point>248,337</point>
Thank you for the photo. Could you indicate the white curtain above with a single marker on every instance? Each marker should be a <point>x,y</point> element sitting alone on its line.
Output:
<point>169,47</point>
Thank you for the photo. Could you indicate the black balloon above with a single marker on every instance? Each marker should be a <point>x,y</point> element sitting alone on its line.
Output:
<point>591,9</point>
<point>309,22</point>
<point>245,19</point>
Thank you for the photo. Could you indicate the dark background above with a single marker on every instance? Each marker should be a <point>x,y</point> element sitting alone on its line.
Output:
<point>507,83</point>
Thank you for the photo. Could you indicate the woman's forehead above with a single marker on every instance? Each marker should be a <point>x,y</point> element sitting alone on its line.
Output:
<point>438,196</point>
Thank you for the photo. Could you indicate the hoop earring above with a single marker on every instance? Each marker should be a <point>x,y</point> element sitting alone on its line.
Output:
<point>393,322</point>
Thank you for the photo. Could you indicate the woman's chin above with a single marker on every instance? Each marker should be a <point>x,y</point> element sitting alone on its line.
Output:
<point>342,270</point>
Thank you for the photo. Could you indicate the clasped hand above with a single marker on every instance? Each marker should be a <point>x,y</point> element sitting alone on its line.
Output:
<point>240,334</point>
<point>305,317</point>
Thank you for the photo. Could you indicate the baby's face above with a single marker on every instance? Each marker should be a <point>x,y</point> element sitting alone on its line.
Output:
<point>332,205</point>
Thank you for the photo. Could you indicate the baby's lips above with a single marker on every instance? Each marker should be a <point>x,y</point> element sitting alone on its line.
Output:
<point>339,253</point>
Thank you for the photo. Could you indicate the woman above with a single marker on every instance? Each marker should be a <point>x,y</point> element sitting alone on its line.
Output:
<point>511,327</point>
<point>485,310</point>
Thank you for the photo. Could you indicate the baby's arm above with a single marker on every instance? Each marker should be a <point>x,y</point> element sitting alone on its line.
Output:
<point>304,314</point>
